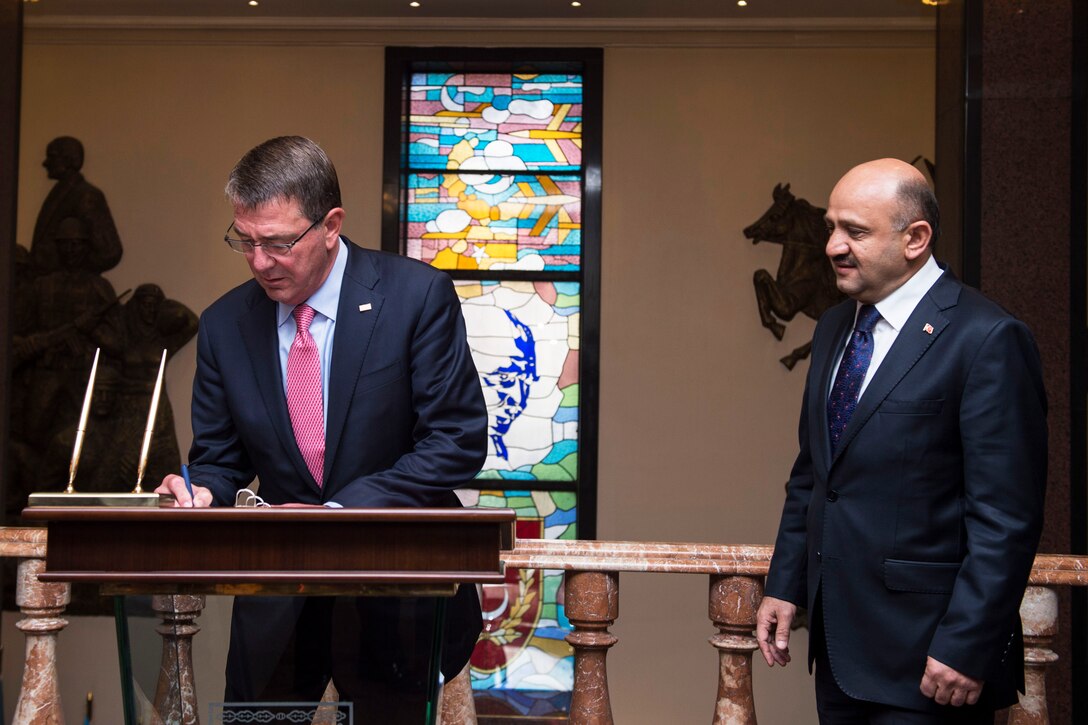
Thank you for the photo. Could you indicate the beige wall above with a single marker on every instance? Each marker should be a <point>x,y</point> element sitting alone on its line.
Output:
<point>697,416</point>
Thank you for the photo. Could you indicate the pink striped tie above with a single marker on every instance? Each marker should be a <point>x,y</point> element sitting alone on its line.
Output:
<point>304,401</point>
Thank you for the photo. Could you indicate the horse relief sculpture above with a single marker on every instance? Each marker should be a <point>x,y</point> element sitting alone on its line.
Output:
<point>805,281</point>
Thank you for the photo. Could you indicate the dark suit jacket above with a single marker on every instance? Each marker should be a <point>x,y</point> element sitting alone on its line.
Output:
<point>921,529</point>
<point>406,422</point>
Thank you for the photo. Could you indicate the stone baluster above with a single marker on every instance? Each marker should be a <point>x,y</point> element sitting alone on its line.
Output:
<point>733,604</point>
<point>175,692</point>
<point>592,605</point>
<point>1039,614</point>
<point>455,703</point>
<point>42,604</point>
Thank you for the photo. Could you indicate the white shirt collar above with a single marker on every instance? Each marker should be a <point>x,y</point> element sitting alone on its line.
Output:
<point>897,307</point>
<point>327,298</point>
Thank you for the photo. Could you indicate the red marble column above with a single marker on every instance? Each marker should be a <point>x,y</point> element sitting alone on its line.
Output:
<point>175,692</point>
<point>592,605</point>
<point>1039,613</point>
<point>456,706</point>
<point>43,604</point>
<point>733,604</point>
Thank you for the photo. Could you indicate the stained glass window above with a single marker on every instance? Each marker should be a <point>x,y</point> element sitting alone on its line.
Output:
<point>522,645</point>
<point>496,222</point>
<point>493,162</point>
<point>525,343</point>
<point>456,118</point>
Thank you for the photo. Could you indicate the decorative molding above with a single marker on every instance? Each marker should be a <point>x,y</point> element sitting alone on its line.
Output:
<point>607,32</point>
<point>463,23</point>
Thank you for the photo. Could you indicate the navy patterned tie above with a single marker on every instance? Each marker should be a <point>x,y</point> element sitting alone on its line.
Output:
<point>855,362</point>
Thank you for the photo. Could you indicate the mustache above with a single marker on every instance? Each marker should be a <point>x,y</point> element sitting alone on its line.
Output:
<point>844,260</point>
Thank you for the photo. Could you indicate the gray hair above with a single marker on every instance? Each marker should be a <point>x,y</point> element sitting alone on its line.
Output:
<point>917,202</point>
<point>287,167</point>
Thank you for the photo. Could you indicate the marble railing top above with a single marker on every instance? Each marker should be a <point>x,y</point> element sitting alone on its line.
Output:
<point>637,556</point>
<point>740,560</point>
<point>22,542</point>
<point>646,556</point>
<point>1060,569</point>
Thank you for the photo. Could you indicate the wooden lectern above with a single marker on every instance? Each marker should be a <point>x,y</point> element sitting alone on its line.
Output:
<point>276,551</point>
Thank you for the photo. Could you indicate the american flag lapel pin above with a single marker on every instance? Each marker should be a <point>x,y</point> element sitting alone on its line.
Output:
<point>367,306</point>
<point>928,328</point>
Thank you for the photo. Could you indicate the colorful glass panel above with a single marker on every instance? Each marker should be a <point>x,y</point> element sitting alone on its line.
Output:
<point>529,706</point>
<point>492,190</point>
<point>536,120</point>
<point>495,222</point>
<point>525,341</point>
<point>522,646</point>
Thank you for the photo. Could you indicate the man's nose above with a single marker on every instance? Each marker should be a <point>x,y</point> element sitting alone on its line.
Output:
<point>261,260</point>
<point>836,244</point>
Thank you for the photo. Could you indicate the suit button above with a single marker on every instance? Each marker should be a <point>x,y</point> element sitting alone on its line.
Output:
<point>819,556</point>
<point>832,495</point>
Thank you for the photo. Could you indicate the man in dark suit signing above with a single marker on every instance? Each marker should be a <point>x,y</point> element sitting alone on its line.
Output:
<point>342,377</point>
<point>914,507</point>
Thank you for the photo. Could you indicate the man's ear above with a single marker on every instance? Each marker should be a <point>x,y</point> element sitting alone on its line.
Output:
<point>919,234</point>
<point>334,220</point>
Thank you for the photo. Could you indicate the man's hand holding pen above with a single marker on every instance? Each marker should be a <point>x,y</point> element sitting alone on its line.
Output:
<point>185,495</point>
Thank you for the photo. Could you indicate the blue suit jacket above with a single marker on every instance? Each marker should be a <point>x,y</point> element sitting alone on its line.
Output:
<point>922,527</point>
<point>406,423</point>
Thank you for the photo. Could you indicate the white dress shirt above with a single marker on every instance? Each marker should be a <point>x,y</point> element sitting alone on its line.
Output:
<point>894,311</point>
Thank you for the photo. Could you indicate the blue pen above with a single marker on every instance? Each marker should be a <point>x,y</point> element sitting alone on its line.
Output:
<point>188,483</point>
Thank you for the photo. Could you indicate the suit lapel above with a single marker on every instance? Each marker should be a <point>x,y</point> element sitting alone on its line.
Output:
<point>356,317</point>
<point>841,326</point>
<point>922,328</point>
<point>258,331</point>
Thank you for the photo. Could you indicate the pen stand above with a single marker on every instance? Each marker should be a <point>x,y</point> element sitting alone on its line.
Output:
<point>141,500</point>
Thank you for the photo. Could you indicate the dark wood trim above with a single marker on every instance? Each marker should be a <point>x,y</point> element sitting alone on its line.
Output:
<point>395,116</point>
<point>948,133</point>
<point>247,546</point>
<point>590,355</point>
<point>324,588</point>
<point>11,56</point>
<point>958,140</point>
<point>1078,363</point>
<point>280,514</point>
<point>971,214</point>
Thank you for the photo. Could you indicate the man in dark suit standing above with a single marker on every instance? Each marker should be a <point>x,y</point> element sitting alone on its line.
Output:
<point>914,507</point>
<point>342,377</point>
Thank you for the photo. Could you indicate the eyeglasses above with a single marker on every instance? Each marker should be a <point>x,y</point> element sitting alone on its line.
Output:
<point>248,246</point>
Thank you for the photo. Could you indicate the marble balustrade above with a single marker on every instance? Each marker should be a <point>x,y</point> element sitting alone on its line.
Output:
<point>592,572</point>
<point>42,605</point>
